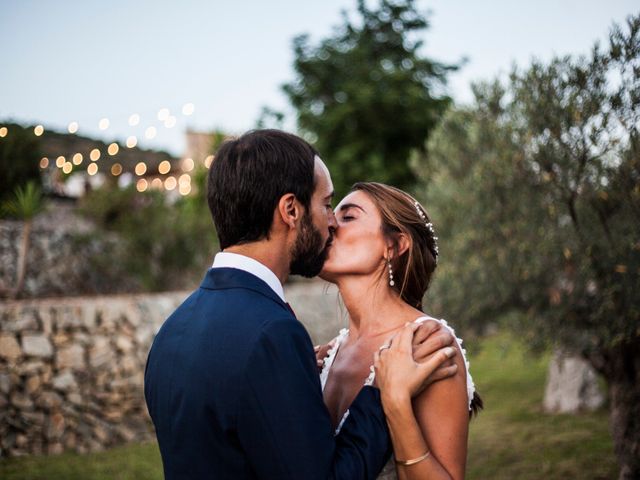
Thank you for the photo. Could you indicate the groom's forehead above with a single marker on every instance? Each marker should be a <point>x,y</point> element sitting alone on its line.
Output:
<point>323,177</point>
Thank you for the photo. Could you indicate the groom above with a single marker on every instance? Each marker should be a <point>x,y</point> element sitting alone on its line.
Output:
<point>231,381</point>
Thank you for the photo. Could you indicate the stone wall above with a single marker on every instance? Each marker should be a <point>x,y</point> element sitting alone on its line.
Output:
<point>71,369</point>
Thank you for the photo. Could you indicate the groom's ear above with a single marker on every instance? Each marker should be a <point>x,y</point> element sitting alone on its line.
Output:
<point>289,209</point>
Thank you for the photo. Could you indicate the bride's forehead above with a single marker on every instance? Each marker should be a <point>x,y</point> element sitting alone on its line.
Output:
<point>356,198</point>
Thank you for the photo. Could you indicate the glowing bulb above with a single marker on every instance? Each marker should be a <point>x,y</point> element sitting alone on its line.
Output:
<point>185,189</point>
<point>134,119</point>
<point>185,178</point>
<point>187,164</point>
<point>141,169</point>
<point>92,169</point>
<point>170,122</point>
<point>73,127</point>
<point>44,162</point>
<point>94,155</point>
<point>188,108</point>
<point>156,183</point>
<point>116,169</point>
<point>39,130</point>
<point>132,141</point>
<point>77,158</point>
<point>208,161</point>
<point>67,167</point>
<point>3,132</point>
<point>103,124</point>
<point>170,183</point>
<point>150,133</point>
<point>164,167</point>
<point>60,161</point>
<point>163,114</point>
<point>113,149</point>
<point>141,185</point>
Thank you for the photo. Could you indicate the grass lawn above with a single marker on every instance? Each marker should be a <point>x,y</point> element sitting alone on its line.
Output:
<point>511,439</point>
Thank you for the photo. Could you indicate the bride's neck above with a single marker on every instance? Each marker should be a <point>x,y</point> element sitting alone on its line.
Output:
<point>373,307</point>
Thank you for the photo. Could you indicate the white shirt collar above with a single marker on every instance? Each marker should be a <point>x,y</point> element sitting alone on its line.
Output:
<point>249,265</point>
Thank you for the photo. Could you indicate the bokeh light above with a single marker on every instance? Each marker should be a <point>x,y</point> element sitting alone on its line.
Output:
<point>164,167</point>
<point>94,155</point>
<point>38,130</point>
<point>113,149</point>
<point>92,169</point>
<point>141,169</point>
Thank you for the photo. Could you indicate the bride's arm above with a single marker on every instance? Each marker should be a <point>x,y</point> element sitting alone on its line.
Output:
<point>436,422</point>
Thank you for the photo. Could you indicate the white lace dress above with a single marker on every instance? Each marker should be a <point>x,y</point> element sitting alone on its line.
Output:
<point>389,470</point>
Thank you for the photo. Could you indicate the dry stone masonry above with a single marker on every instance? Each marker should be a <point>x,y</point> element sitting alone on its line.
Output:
<point>71,371</point>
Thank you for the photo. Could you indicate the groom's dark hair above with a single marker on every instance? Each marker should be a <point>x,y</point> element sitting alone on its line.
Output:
<point>248,177</point>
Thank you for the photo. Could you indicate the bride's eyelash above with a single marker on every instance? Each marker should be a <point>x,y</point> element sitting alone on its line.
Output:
<point>347,218</point>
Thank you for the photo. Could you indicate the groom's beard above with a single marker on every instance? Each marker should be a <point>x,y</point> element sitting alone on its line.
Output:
<point>309,254</point>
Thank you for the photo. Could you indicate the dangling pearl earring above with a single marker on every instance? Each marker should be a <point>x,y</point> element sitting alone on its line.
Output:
<point>391,282</point>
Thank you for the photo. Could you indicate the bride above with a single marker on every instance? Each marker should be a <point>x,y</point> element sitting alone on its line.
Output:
<point>383,256</point>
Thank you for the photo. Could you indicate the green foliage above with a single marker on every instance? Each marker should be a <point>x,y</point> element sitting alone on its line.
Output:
<point>535,193</point>
<point>26,204</point>
<point>19,158</point>
<point>164,245</point>
<point>366,97</point>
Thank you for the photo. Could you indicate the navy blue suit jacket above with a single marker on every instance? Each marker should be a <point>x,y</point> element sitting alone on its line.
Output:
<point>233,390</point>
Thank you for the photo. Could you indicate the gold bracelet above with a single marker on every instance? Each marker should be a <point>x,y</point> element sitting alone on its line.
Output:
<point>413,461</point>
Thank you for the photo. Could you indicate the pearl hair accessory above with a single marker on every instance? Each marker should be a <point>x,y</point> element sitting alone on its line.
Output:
<point>429,226</point>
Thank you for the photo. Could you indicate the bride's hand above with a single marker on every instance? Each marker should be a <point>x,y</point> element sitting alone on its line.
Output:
<point>398,376</point>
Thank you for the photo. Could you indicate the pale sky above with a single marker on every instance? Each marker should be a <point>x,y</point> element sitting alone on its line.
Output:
<point>84,60</point>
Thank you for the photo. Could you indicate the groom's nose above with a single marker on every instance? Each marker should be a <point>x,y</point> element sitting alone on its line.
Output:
<point>333,223</point>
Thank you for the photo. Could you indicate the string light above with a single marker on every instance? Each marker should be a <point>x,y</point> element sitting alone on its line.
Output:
<point>3,132</point>
<point>156,183</point>
<point>113,149</point>
<point>185,189</point>
<point>208,161</point>
<point>170,183</point>
<point>44,162</point>
<point>134,119</point>
<point>67,167</point>
<point>103,124</point>
<point>141,169</point>
<point>142,185</point>
<point>116,169</point>
<point>150,133</point>
<point>188,109</point>
<point>187,164</point>
<point>170,122</point>
<point>73,127</point>
<point>164,167</point>
<point>132,141</point>
<point>163,114</point>
<point>185,178</point>
<point>38,130</point>
<point>77,159</point>
<point>94,155</point>
<point>92,169</point>
<point>60,161</point>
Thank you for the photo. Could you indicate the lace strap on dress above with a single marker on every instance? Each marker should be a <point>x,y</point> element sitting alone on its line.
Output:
<point>331,355</point>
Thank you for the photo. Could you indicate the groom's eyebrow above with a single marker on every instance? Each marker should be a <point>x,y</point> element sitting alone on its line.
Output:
<point>347,206</point>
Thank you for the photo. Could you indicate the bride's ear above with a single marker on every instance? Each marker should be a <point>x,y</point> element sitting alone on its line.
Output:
<point>399,244</point>
<point>289,210</point>
<point>402,244</point>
